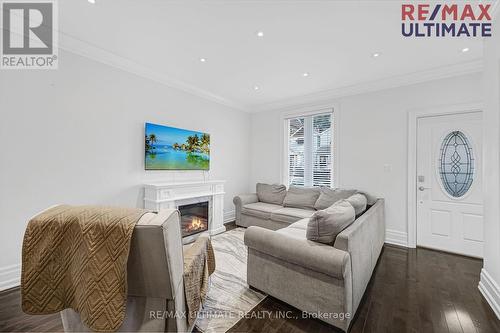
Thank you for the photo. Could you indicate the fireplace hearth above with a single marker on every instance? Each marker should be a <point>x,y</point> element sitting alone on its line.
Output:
<point>194,218</point>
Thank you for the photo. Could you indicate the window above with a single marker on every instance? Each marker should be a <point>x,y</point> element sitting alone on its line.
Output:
<point>456,164</point>
<point>309,150</point>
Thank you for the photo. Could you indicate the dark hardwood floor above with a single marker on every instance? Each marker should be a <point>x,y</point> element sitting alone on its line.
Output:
<point>230,226</point>
<point>411,291</point>
<point>13,319</point>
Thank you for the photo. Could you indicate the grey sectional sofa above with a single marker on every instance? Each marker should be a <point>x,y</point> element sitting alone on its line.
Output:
<point>251,212</point>
<point>269,207</point>
<point>324,280</point>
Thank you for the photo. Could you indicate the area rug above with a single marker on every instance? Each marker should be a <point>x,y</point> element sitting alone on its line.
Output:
<point>229,297</point>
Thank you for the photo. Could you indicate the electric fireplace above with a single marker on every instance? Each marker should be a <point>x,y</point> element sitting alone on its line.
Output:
<point>194,218</point>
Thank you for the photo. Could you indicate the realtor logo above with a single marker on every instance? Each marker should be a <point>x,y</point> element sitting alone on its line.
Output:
<point>446,20</point>
<point>29,37</point>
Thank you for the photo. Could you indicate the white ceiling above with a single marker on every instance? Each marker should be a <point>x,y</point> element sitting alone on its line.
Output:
<point>331,40</point>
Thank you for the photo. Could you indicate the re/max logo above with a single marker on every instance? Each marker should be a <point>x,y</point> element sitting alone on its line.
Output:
<point>449,20</point>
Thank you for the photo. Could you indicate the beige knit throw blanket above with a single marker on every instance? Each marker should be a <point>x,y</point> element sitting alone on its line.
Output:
<point>76,257</point>
<point>199,264</point>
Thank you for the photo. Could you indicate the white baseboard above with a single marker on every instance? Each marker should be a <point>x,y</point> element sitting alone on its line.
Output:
<point>396,237</point>
<point>10,277</point>
<point>229,216</point>
<point>491,291</point>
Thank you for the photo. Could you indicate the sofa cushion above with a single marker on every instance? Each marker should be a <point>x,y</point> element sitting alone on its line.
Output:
<point>273,194</point>
<point>301,197</point>
<point>290,215</point>
<point>301,252</point>
<point>293,232</point>
<point>358,201</point>
<point>260,209</point>
<point>300,224</point>
<point>326,224</point>
<point>329,196</point>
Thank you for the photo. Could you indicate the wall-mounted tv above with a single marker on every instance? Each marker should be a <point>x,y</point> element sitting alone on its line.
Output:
<point>170,148</point>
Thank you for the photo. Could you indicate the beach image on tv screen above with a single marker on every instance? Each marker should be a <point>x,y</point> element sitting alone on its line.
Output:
<point>170,148</point>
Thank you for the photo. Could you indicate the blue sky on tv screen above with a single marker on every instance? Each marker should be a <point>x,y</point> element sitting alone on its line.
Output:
<point>169,135</point>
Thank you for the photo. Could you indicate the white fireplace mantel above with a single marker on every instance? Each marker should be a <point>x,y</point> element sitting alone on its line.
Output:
<point>162,195</point>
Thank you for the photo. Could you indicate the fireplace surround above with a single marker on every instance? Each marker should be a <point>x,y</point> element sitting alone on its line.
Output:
<point>161,195</point>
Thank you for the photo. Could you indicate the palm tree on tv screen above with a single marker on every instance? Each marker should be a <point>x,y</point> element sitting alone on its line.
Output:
<point>193,143</point>
<point>152,138</point>
<point>205,143</point>
<point>149,141</point>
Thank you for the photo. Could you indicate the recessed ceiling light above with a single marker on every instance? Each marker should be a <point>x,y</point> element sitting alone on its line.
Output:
<point>306,74</point>
<point>203,59</point>
<point>92,1</point>
<point>260,33</point>
<point>376,55</point>
<point>465,49</point>
<point>256,88</point>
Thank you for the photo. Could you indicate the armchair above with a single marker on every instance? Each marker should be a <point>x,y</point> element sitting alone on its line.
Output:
<point>156,301</point>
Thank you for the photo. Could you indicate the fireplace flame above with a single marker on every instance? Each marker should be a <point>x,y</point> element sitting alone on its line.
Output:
<point>196,224</point>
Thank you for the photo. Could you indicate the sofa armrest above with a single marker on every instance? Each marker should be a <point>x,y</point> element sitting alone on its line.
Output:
<point>314,256</point>
<point>243,199</point>
<point>363,240</point>
<point>240,201</point>
<point>369,226</point>
<point>155,263</point>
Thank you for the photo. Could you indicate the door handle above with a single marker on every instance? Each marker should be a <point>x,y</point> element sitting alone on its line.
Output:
<point>421,188</point>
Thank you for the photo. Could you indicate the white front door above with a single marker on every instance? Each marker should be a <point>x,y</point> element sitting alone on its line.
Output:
<point>449,183</point>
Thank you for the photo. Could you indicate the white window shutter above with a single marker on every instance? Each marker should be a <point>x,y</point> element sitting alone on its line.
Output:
<point>322,150</point>
<point>296,156</point>
<point>310,150</point>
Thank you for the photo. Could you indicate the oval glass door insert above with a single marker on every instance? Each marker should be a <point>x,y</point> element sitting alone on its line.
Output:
<point>456,164</point>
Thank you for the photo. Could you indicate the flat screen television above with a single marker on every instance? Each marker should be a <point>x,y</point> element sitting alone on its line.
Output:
<point>170,148</point>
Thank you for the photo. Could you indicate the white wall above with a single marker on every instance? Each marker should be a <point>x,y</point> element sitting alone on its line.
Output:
<point>76,136</point>
<point>490,276</point>
<point>373,132</point>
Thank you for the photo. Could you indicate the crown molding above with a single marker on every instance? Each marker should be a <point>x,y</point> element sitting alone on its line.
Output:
<point>93,52</point>
<point>325,96</point>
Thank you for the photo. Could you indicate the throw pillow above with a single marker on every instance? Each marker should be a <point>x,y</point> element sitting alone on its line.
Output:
<point>271,193</point>
<point>326,224</point>
<point>301,197</point>
<point>371,199</point>
<point>358,201</point>
<point>329,196</point>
